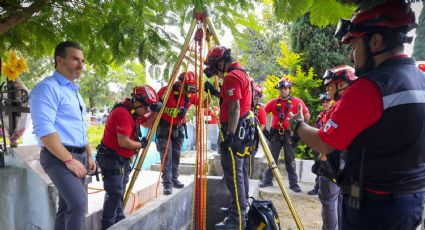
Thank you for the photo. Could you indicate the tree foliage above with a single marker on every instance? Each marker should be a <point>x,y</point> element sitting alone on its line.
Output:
<point>303,81</point>
<point>259,49</point>
<point>321,50</point>
<point>419,46</point>
<point>322,12</point>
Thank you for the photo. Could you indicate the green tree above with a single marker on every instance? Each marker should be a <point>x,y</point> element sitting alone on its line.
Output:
<point>303,81</point>
<point>320,48</point>
<point>109,31</point>
<point>419,46</point>
<point>259,49</point>
<point>322,12</point>
<point>96,88</point>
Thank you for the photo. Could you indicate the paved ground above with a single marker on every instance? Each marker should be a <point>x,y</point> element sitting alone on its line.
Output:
<point>308,207</point>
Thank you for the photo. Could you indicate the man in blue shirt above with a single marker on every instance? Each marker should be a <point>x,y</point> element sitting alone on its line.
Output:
<point>58,115</point>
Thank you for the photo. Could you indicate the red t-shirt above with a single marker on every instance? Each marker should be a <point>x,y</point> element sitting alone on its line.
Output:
<point>210,113</point>
<point>236,86</point>
<point>322,119</point>
<point>271,107</point>
<point>262,116</point>
<point>120,121</point>
<point>358,108</point>
<point>171,104</point>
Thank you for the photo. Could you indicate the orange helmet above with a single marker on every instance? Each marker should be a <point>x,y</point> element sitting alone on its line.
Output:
<point>284,82</point>
<point>339,73</point>
<point>145,94</point>
<point>392,15</point>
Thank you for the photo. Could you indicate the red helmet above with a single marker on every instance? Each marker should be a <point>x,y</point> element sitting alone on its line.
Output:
<point>145,94</point>
<point>216,54</point>
<point>387,16</point>
<point>339,73</point>
<point>258,90</point>
<point>284,82</point>
<point>188,78</point>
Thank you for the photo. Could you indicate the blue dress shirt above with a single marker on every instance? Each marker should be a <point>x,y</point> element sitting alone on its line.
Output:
<point>56,106</point>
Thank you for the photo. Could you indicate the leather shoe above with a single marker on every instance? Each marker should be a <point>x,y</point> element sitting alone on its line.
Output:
<point>295,188</point>
<point>313,192</point>
<point>177,184</point>
<point>227,223</point>
<point>167,191</point>
<point>266,184</point>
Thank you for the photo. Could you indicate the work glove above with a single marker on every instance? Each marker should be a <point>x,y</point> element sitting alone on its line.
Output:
<point>209,87</point>
<point>144,142</point>
<point>227,142</point>
<point>155,107</point>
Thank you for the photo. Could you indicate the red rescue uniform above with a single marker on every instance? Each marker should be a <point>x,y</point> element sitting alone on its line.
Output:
<point>352,113</point>
<point>262,116</point>
<point>271,107</point>
<point>120,121</point>
<point>170,107</point>
<point>236,86</point>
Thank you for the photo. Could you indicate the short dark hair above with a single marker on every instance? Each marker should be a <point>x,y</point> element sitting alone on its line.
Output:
<point>394,39</point>
<point>60,49</point>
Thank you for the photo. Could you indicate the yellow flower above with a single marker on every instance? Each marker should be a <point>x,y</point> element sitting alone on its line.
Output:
<point>21,66</point>
<point>10,72</point>
<point>12,58</point>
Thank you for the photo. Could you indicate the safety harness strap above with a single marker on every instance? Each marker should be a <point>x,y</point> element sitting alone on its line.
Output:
<point>281,114</point>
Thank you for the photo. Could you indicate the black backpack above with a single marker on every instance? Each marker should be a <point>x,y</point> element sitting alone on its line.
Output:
<point>262,215</point>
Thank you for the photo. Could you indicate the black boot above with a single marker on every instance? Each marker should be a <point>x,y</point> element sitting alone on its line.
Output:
<point>177,184</point>
<point>295,188</point>
<point>167,190</point>
<point>266,184</point>
<point>313,192</point>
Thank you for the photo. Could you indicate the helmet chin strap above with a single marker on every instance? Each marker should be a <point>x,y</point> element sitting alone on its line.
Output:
<point>337,94</point>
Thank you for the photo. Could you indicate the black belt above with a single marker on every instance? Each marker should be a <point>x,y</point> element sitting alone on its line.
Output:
<point>72,149</point>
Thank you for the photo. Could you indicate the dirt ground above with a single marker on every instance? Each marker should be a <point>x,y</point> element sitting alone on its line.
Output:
<point>308,207</point>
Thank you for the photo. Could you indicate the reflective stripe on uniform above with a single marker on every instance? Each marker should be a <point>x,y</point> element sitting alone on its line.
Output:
<point>172,112</point>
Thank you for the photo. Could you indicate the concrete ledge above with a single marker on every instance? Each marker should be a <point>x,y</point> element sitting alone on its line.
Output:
<point>166,212</point>
<point>175,211</point>
<point>14,209</point>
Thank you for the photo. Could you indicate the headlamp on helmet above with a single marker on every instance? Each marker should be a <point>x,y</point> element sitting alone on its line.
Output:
<point>215,55</point>
<point>147,96</point>
<point>394,16</point>
<point>339,73</point>
<point>284,82</point>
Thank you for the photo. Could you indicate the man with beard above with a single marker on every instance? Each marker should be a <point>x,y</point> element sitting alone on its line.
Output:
<point>378,123</point>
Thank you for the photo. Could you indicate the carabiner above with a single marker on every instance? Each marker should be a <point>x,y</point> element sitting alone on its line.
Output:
<point>241,133</point>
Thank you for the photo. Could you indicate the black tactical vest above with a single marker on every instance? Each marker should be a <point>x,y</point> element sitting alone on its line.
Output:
<point>393,147</point>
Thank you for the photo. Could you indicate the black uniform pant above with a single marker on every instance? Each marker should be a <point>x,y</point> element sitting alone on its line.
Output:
<point>241,171</point>
<point>115,177</point>
<point>170,172</point>
<point>289,151</point>
<point>72,193</point>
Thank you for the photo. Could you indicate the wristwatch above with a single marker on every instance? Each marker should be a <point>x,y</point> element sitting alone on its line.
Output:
<point>295,125</point>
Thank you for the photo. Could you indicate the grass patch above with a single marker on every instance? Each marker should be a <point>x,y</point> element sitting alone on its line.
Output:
<point>95,133</point>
